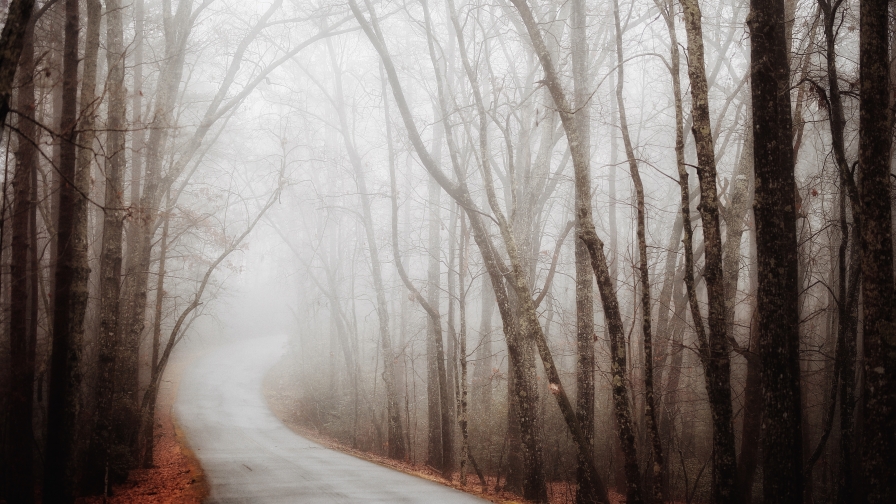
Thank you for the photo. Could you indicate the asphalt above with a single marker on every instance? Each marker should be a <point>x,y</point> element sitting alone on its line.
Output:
<point>249,456</point>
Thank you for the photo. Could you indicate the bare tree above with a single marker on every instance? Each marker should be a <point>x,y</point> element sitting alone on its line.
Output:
<point>644,273</point>
<point>70,300</point>
<point>585,364</point>
<point>104,465</point>
<point>776,243</point>
<point>714,351</point>
<point>875,143</point>
<point>397,449</point>
<point>21,345</point>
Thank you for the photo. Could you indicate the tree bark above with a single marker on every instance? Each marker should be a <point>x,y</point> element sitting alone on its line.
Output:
<point>878,333</point>
<point>714,351</point>
<point>147,433</point>
<point>644,273</point>
<point>21,347</point>
<point>65,373</point>
<point>752,410</point>
<point>734,214</point>
<point>848,268</point>
<point>586,493</point>
<point>776,244</point>
<point>462,343</point>
<point>106,462</point>
<point>680,301</point>
<point>847,332</point>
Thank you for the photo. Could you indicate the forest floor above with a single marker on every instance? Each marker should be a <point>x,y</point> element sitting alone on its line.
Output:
<point>176,476</point>
<point>282,404</point>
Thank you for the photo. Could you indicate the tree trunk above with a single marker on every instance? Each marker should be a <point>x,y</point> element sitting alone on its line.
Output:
<point>481,387</point>
<point>847,329</point>
<point>138,137</point>
<point>108,464</point>
<point>435,454</point>
<point>734,214</point>
<point>714,351</point>
<point>682,231</point>
<point>148,422</point>
<point>776,245</point>
<point>395,437</point>
<point>752,409</point>
<point>586,492</point>
<point>644,274</point>
<point>848,268</point>
<point>21,348</point>
<point>878,333</point>
<point>462,343</point>
<point>80,258</point>
<point>65,373</point>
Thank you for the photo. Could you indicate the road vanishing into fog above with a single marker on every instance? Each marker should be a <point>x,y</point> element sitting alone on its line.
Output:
<point>249,456</point>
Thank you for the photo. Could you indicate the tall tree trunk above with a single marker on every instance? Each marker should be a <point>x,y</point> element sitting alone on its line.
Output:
<point>682,232</point>
<point>644,274</point>
<point>431,311</point>
<point>714,351</point>
<point>848,268</point>
<point>21,348</point>
<point>586,493</point>
<point>878,333</point>
<point>443,128</point>
<point>435,454</point>
<point>462,343</point>
<point>847,331</point>
<point>752,409</point>
<point>80,259</point>
<point>148,421</point>
<point>776,245</point>
<point>65,373</point>
<point>397,448</point>
<point>106,463</point>
<point>481,387</point>
<point>734,214</point>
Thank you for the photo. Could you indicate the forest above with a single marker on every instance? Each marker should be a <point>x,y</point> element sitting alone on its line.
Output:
<point>588,251</point>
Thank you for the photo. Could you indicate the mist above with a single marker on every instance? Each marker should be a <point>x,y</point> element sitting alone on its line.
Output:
<point>584,251</point>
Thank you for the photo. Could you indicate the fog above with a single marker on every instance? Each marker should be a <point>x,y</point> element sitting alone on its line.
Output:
<point>559,251</point>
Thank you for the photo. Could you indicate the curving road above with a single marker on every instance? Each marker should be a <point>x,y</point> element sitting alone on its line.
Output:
<point>249,456</point>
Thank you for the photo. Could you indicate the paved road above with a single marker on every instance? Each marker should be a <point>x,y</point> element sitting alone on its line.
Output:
<point>249,456</point>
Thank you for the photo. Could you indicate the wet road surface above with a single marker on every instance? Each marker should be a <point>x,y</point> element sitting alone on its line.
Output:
<point>249,456</point>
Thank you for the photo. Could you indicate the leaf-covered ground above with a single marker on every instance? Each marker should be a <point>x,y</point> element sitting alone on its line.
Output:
<point>176,476</point>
